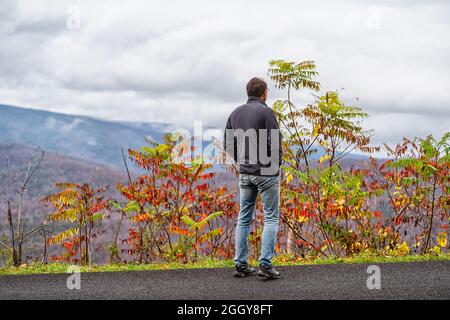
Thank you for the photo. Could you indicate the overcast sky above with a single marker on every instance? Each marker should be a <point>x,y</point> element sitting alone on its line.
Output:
<point>180,61</point>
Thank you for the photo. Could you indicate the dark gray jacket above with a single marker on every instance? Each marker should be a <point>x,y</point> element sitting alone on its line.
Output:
<point>256,115</point>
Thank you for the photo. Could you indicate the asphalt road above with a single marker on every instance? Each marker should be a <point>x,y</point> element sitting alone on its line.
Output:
<point>425,280</point>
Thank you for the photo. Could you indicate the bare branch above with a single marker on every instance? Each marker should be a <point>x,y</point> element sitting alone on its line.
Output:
<point>126,165</point>
<point>6,246</point>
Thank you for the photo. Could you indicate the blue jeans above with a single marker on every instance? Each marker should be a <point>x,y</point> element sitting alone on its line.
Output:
<point>269,189</point>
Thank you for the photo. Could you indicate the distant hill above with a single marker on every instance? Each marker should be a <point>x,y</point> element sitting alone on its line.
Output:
<point>76,136</point>
<point>87,138</point>
<point>54,168</point>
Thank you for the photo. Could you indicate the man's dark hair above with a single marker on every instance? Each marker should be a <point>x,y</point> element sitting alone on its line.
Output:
<point>256,87</point>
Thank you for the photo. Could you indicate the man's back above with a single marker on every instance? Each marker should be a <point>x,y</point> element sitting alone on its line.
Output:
<point>250,123</point>
<point>251,115</point>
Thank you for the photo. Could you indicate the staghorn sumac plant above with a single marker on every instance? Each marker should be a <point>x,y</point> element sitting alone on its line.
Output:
<point>322,205</point>
<point>417,187</point>
<point>160,201</point>
<point>427,169</point>
<point>413,193</point>
<point>194,234</point>
<point>212,198</point>
<point>83,208</point>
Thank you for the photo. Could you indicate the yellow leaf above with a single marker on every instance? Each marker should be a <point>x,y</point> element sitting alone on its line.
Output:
<point>59,238</point>
<point>323,158</point>
<point>185,210</point>
<point>442,239</point>
<point>316,130</point>
<point>289,178</point>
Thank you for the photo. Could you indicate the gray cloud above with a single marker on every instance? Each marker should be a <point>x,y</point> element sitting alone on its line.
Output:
<point>182,61</point>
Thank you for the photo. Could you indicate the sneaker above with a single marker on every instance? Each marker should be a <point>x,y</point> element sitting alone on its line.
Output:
<point>268,272</point>
<point>242,271</point>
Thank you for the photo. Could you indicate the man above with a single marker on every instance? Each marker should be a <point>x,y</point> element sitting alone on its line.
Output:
<point>253,138</point>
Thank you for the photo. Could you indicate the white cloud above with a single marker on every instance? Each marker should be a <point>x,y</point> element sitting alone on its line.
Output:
<point>51,123</point>
<point>180,61</point>
<point>91,141</point>
<point>61,126</point>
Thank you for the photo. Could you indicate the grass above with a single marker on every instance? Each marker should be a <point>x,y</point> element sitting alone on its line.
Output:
<point>210,263</point>
<point>367,258</point>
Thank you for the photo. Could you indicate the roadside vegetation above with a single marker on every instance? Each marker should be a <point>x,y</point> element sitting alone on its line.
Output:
<point>55,268</point>
<point>177,216</point>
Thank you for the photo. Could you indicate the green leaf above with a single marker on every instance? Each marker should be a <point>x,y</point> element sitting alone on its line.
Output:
<point>131,206</point>
<point>115,205</point>
<point>188,220</point>
<point>212,233</point>
<point>212,216</point>
<point>97,216</point>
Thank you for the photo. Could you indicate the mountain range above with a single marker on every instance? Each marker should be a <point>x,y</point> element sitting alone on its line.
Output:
<point>75,136</point>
